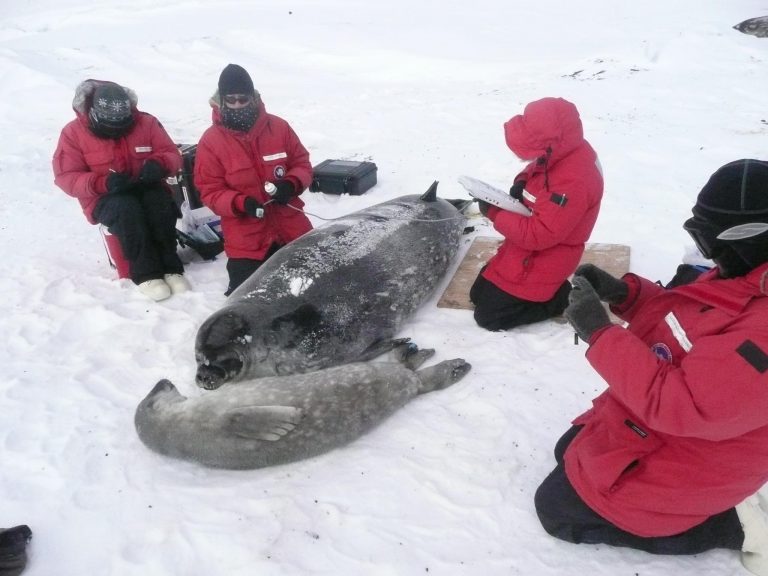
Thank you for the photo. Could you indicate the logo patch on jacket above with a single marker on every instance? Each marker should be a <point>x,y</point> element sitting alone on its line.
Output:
<point>754,355</point>
<point>279,172</point>
<point>662,351</point>
<point>559,199</point>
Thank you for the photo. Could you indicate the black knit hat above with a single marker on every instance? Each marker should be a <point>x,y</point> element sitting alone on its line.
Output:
<point>736,194</point>
<point>730,218</point>
<point>111,105</point>
<point>235,80</point>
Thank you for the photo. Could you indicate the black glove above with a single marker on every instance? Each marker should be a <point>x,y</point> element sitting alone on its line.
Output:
<point>119,183</point>
<point>152,171</point>
<point>609,288</point>
<point>253,207</point>
<point>483,206</point>
<point>585,312</point>
<point>517,190</point>
<point>285,191</point>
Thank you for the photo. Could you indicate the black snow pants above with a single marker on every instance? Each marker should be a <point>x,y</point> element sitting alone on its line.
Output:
<point>498,310</point>
<point>564,515</point>
<point>239,269</point>
<point>144,220</point>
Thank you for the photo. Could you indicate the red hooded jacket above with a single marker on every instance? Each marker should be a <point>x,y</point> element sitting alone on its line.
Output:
<point>681,433</point>
<point>82,160</point>
<point>231,165</point>
<point>564,188</point>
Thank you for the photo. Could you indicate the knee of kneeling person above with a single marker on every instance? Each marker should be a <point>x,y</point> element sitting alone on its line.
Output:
<point>486,320</point>
<point>545,504</point>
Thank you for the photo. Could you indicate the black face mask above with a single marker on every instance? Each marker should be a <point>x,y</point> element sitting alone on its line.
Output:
<point>240,119</point>
<point>730,263</point>
<point>109,129</point>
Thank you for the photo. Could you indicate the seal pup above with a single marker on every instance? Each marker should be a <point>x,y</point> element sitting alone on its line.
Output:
<point>336,295</point>
<point>754,27</point>
<point>282,419</point>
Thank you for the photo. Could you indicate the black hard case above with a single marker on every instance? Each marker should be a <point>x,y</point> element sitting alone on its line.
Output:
<point>343,177</point>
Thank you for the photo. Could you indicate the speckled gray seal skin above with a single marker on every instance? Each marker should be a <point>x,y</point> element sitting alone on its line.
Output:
<point>754,27</point>
<point>336,295</point>
<point>281,419</point>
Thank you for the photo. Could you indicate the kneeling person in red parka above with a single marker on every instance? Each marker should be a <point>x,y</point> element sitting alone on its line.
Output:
<point>114,159</point>
<point>526,280</point>
<point>245,149</point>
<point>669,457</point>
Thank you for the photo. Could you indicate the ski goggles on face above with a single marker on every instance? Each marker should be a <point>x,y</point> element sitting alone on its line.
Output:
<point>708,240</point>
<point>703,235</point>
<point>234,99</point>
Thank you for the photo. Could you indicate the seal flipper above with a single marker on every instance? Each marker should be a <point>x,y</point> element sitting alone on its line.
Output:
<point>431,194</point>
<point>268,423</point>
<point>380,347</point>
<point>442,375</point>
<point>411,356</point>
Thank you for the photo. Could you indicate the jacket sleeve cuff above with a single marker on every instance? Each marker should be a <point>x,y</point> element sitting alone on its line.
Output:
<point>298,187</point>
<point>238,203</point>
<point>599,332</point>
<point>633,291</point>
<point>99,184</point>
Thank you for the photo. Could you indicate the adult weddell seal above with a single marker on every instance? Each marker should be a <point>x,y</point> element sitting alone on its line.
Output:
<point>336,295</point>
<point>281,419</point>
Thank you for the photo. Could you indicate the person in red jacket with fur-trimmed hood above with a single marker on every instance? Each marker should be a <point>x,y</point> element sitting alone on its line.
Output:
<point>671,456</point>
<point>526,280</point>
<point>114,158</point>
<point>244,150</point>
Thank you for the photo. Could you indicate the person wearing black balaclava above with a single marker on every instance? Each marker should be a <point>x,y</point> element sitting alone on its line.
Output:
<point>671,457</point>
<point>250,168</point>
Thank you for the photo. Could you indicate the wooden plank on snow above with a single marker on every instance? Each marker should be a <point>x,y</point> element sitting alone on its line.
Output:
<point>613,258</point>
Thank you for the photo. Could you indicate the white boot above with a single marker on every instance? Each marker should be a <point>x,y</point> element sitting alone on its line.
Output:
<point>155,289</point>
<point>754,521</point>
<point>177,283</point>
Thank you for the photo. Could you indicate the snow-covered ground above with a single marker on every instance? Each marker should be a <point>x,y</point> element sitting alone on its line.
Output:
<point>668,92</point>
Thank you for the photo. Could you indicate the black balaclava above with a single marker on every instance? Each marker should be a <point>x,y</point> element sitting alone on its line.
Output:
<point>111,114</point>
<point>235,80</point>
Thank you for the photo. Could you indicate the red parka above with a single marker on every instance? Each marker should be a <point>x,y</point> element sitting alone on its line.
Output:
<point>232,165</point>
<point>82,160</point>
<point>564,188</point>
<point>681,433</point>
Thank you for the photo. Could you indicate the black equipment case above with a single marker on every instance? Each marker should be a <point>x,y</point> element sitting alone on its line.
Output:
<point>343,177</point>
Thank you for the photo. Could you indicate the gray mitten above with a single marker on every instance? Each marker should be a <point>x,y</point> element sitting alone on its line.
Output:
<point>585,312</point>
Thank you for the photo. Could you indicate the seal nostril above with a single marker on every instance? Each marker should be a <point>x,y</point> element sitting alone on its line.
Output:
<point>209,377</point>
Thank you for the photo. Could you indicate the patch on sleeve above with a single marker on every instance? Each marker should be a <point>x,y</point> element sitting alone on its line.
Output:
<point>753,354</point>
<point>559,199</point>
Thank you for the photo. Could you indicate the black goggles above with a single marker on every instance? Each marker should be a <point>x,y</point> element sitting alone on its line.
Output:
<point>704,236</point>
<point>708,238</point>
<point>233,99</point>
